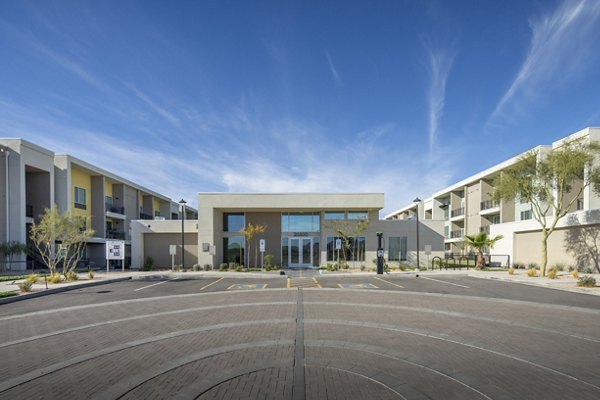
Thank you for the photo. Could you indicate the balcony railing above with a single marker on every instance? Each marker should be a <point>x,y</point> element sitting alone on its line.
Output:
<point>145,216</point>
<point>115,209</point>
<point>112,234</point>
<point>486,205</point>
<point>457,234</point>
<point>457,212</point>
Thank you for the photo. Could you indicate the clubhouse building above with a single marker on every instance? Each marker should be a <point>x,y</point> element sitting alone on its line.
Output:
<point>300,232</point>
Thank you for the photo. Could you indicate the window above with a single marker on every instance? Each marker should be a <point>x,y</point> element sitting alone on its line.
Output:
<point>108,201</point>
<point>525,215</point>
<point>358,215</point>
<point>397,248</point>
<point>300,222</point>
<point>495,219</point>
<point>233,222</point>
<point>334,215</point>
<point>233,249</point>
<point>80,198</point>
<point>354,251</point>
<point>157,213</point>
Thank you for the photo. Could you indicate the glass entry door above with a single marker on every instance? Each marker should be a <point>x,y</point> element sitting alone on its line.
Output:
<point>300,254</point>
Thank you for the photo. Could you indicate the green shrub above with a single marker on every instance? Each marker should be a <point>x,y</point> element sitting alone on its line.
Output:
<point>268,261</point>
<point>177,267</point>
<point>532,265</point>
<point>238,268</point>
<point>196,268</point>
<point>71,276</point>
<point>233,265</point>
<point>25,286</point>
<point>54,278</point>
<point>148,264</point>
<point>207,267</point>
<point>7,294</point>
<point>12,278</point>
<point>560,267</point>
<point>362,267</point>
<point>518,265</point>
<point>552,273</point>
<point>588,270</point>
<point>586,281</point>
<point>223,267</point>
<point>33,278</point>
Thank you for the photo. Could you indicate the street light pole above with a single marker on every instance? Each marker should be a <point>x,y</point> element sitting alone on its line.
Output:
<point>182,202</point>
<point>417,201</point>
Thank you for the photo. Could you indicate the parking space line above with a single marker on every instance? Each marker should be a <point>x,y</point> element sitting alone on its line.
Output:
<point>447,283</point>
<point>393,284</point>
<point>154,284</point>
<point>212,283</point>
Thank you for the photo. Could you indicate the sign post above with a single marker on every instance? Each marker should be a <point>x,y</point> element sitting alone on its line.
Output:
<point>172,252</point>
<point>338,246</point>
<point>115,250</point>
<point>262,253</point>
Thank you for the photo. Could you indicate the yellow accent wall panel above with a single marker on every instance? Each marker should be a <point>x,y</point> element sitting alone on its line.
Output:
<point>82,180</point>
<point>108,188</point>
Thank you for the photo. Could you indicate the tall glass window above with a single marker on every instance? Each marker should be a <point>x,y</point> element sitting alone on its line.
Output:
<point>233,249</point>
<point>358,215</point>
<point>79,198</point>
<point>300,222</point>
<point>233,222</point>
<point>397,248</point>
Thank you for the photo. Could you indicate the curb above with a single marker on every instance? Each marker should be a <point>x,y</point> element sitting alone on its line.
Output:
<point>33,295</point>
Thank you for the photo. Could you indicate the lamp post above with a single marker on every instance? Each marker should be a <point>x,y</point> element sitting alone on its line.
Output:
<point>417,201</point>
<point>182,203</point>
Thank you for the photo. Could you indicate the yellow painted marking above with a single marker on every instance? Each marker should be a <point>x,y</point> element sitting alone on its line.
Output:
<point>391,283</point>
<point>212,283</point>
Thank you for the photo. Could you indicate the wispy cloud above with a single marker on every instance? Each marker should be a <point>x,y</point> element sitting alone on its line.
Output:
<point>163,112</point>
<point>334,73</point>
<point>561,44</point>
<point>439,64</point>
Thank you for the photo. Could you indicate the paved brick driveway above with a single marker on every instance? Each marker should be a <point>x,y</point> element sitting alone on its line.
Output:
<point>313,343</point>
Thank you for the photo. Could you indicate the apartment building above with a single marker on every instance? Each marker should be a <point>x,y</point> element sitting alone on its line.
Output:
<point>467,208</point>
<point>34,178</point>
<point>300,231</point>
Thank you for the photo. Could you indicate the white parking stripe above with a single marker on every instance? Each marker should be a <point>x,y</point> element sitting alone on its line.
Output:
<point>448,283</point>
<point>154,284</point>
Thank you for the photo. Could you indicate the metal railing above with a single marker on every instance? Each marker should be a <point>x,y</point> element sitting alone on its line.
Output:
<point>457,212</point>
<point>145,216</point>
<point>457,234</point>
<point>113,234</point>
<point>115,209</point>
<point>486,205</point>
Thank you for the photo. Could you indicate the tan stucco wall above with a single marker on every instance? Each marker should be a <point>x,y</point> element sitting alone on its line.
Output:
<point>528,247</point>
<point>156,245</point>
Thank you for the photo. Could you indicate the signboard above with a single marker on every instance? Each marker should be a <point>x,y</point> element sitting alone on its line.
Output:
<point>212,250</point>
<point>338,244</point>
<point>115,250</point>
<point>262,245</point>
<point>427,249</point>
<point>379,253</point>
<point>172,249</point>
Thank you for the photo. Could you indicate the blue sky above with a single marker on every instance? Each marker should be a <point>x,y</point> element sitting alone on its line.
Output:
<point>400,97</point>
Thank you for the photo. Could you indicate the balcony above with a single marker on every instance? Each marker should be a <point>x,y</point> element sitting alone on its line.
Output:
<point>457,234</point>
<point>457,214</point>
<point>28,211</point>
<point>115,209</point>
<point>145,216</point>
<point>486,205</point>
<point>489,207</point>
<point>113,234</point>
<point>485,229</point>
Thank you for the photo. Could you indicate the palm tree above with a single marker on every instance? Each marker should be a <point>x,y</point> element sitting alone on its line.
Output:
<point>481,242</point>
